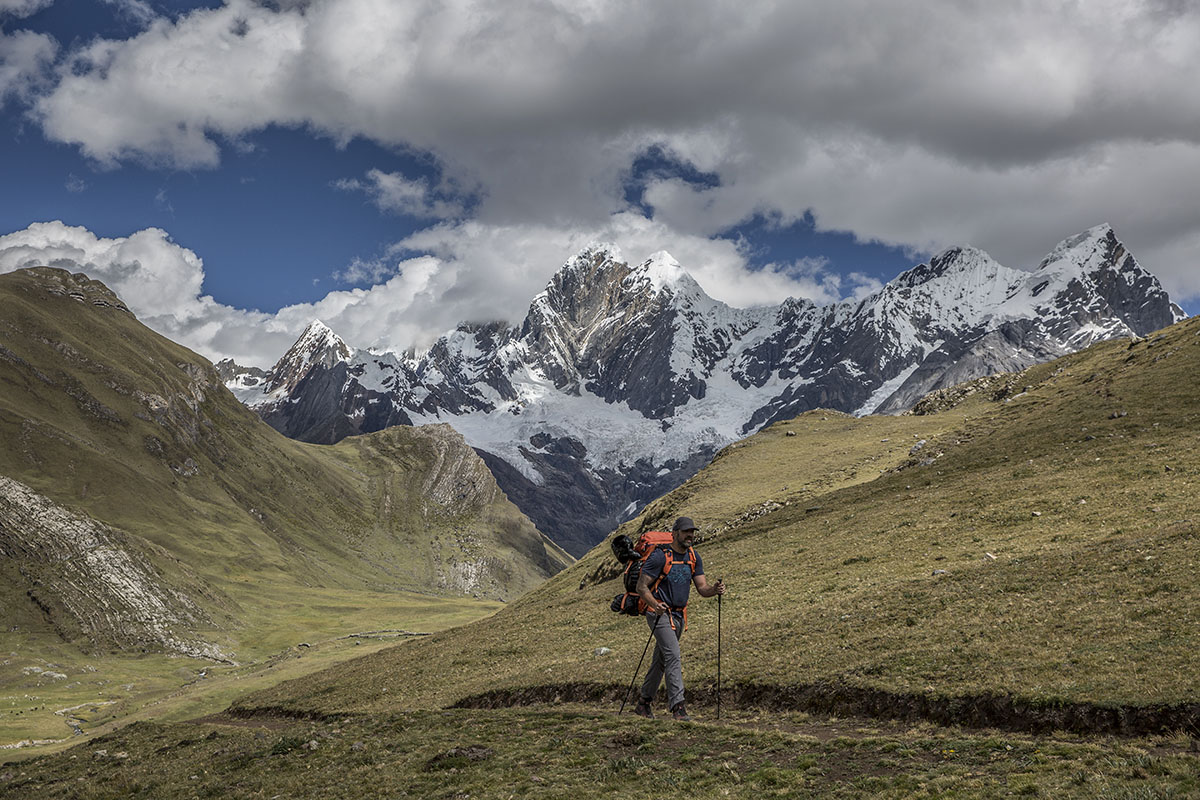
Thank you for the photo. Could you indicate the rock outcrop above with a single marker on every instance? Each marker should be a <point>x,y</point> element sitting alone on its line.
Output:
<point>91,582</point>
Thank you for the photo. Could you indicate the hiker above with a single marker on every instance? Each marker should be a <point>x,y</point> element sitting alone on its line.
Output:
<point>664,585</point>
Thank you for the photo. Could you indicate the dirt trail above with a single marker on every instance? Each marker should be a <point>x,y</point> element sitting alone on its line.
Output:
<point>973,711</point>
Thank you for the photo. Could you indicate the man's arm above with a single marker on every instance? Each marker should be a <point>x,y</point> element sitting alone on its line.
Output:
<point>705,588</point>
<point>643,590</point>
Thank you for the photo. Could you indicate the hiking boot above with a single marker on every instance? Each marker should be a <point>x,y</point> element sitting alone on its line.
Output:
<point>679,713</point>
<point>643,709</point>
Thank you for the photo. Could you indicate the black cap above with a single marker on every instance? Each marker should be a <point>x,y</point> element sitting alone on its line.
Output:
<point>684,524</point>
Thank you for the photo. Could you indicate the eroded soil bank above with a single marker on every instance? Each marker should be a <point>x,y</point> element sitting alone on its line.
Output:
<point>971,711</point>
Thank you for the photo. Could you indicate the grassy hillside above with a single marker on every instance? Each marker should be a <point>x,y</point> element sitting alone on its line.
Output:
<point>1038,550</point>
<point>1034,557</point>
<point>134,477</point>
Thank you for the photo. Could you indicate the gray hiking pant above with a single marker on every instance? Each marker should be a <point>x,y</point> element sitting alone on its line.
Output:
<point>667,660</point>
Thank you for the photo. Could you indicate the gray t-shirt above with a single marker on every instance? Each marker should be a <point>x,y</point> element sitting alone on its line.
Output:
<point>675,588</point>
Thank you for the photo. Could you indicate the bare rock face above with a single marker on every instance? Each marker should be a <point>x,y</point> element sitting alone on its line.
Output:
<point>458,480</point>
<point>78,287</point>
<point>89,580</point>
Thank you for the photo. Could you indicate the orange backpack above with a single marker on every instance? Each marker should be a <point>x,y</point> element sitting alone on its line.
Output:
<point>634,555</point>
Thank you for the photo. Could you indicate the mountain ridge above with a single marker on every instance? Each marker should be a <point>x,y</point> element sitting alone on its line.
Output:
<point>622,379</point>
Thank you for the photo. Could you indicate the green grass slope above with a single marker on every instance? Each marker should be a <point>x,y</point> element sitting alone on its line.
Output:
<point>1037,552</point>
<point>861,571</point>
<point>132,476</point>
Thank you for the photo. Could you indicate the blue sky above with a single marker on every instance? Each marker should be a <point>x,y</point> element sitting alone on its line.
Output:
<point>270,224</point>
<point>237,168</point>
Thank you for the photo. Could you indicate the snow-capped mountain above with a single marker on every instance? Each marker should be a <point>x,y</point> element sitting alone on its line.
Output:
<point>622,380</point>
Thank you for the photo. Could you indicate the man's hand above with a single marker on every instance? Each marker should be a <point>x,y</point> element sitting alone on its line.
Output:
<point>707,589</point>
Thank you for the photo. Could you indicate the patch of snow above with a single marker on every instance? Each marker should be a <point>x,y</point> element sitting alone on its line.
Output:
<point>662,270</point>
<point>379,373</point>
<point>886,390</point>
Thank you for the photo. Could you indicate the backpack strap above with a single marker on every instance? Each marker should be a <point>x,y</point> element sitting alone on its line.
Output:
<point>669,560</point>
<point>690,560</point>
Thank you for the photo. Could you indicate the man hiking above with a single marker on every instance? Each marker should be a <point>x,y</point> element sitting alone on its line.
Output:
<point>666,580</point>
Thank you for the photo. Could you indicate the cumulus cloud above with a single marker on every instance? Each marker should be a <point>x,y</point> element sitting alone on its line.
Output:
<point>427,283</point>
<point>159,280</point>
<point>1004,125</point>
<point>491,272</point>
<point>473,271</point>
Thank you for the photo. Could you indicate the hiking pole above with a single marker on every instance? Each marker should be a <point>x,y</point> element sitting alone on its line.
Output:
<point>719,653</point>
<point>639,666</point>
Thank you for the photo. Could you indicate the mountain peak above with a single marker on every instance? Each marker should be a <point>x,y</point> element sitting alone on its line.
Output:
<point>318,345</point>
<point>1097,261</point>
<point>319,340</point>
<point>661,270</point>
<point>595,256</point>
<point>594,263</point>
<point>607,251</point>
<point>962,260</point>
<point>1084,252</point>
<point>1094,233</point>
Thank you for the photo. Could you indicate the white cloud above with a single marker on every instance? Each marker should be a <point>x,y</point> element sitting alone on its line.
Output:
<point>435,279</point>
<point>393,192</point>
<point>25,61</point>
<point>22,8</point>
<point>488,272</point>
<point>863,286</point>
<point>161,283</point>
<point>369,271</point>
<point>1007,126</point>
<point>160,95</point>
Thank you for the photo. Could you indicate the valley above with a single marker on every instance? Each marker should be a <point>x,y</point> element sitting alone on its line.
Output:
<point>155,535</point>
